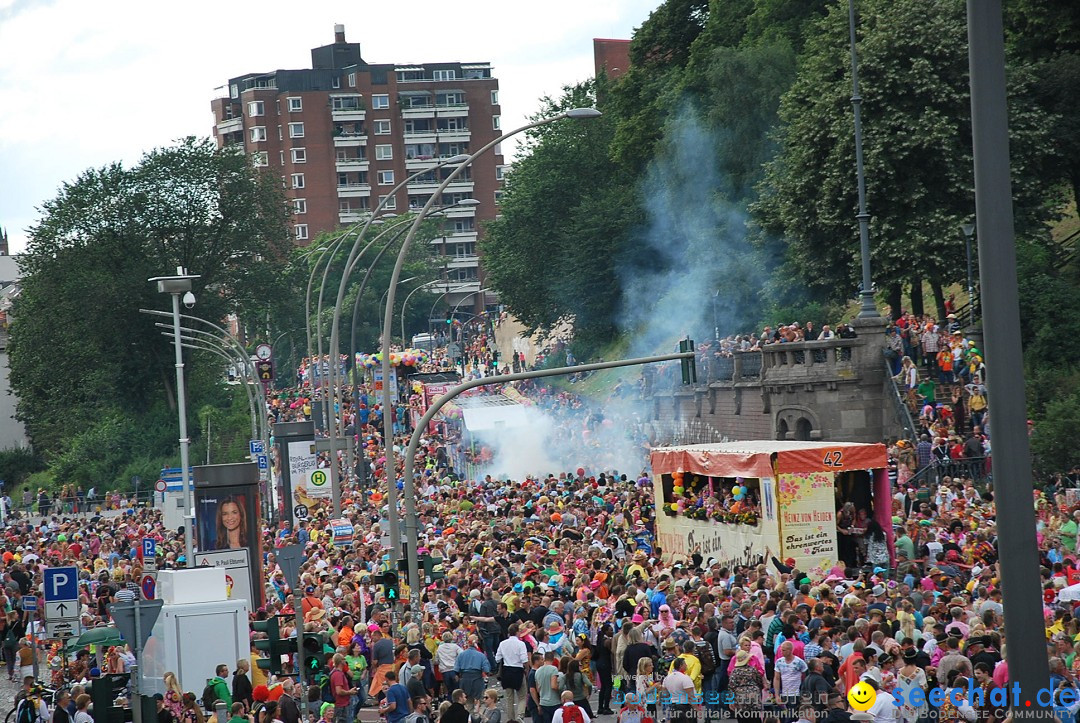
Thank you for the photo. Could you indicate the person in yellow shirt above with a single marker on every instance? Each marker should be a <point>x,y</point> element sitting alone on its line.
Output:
<point>693,665</point>
<point>258,675</point>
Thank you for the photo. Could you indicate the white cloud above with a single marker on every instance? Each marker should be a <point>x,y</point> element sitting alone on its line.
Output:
<point>88,83</point>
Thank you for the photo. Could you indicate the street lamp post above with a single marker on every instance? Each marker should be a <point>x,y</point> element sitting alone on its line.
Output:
<point>388,323</point>
<point>868,309</point>
<point>180,286</point>
<point>406,303</point>
<point>342,286</point>
<point>969,231</point>
<point>1011,461</point>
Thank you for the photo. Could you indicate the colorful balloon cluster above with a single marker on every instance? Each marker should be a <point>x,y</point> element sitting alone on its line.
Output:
<point>408,357</point>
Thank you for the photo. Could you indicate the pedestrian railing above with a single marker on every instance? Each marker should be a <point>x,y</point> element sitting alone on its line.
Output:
<point>900,407</point>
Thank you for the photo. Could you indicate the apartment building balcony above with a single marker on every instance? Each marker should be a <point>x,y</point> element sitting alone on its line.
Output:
<point>230,125</point>
<point>437,136</point>
<point>357,216</point>
<point>462,262</point>
<point>351,164</point>
<point>354,190</point>
<point>349,140</point>
<point>427,186</point>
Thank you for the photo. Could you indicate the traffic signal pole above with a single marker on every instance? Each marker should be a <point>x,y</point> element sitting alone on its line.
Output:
<point>411,519</point>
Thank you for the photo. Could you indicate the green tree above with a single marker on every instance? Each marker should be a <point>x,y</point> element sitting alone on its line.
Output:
<point>93,375</point>
<point>917,146</point>
<point>565,211</point>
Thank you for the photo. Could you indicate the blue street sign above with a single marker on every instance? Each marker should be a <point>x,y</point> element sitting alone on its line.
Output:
<point>256,446</point>
<point>149,548</point>
<point>264,461</point>
<point>29,603</point>
<point>61,583</point>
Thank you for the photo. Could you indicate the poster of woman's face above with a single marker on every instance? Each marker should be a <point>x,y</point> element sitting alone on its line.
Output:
<point>225,516</point>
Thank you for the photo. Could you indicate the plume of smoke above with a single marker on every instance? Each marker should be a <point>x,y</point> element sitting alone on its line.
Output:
<point>694,251</point>
<point>552,443</point>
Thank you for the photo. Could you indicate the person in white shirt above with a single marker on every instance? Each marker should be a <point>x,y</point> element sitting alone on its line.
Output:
<point>514,656</point>
<point>681,689</point>
<point>563,714</point>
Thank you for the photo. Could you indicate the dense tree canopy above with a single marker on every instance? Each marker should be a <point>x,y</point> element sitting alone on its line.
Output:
<point>93,375</point>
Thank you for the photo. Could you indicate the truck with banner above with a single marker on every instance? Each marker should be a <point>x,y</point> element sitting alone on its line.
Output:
<point>742,503</point>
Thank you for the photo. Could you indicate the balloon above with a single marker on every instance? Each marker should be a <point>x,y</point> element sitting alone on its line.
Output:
<point>735,490</point>
<point>580,471</point>
<point>736,507</point>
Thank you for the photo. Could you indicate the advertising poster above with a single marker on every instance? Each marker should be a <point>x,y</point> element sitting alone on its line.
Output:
<point>227,518</point>
<point>308,480</point>
<point>807,504</point>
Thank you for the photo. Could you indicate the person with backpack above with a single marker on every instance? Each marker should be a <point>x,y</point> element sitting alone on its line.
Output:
<point>217,689</point>
<point>32,708</point>
<point>569,712</point>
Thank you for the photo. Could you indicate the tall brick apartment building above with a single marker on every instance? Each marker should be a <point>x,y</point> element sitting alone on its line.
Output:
<point>345,131</point>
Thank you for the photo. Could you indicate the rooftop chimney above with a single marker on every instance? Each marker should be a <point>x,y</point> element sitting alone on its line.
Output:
<point>339,33</point>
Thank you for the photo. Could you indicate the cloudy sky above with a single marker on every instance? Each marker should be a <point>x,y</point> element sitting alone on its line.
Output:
<point>88,82</point>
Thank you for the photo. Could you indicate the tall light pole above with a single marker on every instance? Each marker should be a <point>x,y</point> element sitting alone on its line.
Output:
<point>388,323</point>
<point>1011,461</point>
<point>969,231</point>
<point>868,309</point>
<point>406,303</point>
<point>335,479</point>
<point>180,286</point>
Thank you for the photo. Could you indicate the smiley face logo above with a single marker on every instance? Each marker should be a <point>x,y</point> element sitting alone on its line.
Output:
<point>862,696</point>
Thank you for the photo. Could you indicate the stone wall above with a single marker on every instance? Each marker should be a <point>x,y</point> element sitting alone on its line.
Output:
<point>815,390</point>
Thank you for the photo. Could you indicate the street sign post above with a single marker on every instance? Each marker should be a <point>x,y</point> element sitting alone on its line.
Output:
<point>289,559</point>
<point>263,461</point>
<point>61,602</point>
<point>256,446</point>
<point>30,603</point>
<point>149,554</point>
<point>135,621</point>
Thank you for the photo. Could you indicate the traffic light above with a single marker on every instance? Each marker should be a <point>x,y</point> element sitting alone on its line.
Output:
<point>449,320</point>
<point>315,654</point>
<point>433,568</point>
<point>390,586</point>
<point>274,646</point>
<point>689,366</point>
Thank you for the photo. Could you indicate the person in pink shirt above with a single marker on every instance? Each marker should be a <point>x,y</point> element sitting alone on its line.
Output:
<point>756,658</point>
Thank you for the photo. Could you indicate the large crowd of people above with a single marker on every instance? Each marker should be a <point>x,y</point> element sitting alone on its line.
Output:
<point>557,603</point>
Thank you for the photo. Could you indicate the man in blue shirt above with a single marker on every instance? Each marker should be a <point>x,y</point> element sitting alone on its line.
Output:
<point>397,703</point>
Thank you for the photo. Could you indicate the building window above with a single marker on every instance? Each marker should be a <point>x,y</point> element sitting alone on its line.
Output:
<point>352,80</point>
<point>260,159</point>
<point>444,74</point>
<point>299,205</point>
<point>344,206</point>
<point>496,122</point>
<point>299,155</point>
<point>391,202</point>
<point>500,172</point>
<point>258,134</point>
<point>494,97</point>
<point>384,153</point>
<point>382,127</point>
<point>296,130</point>
<point>380,102</point>
<point>281,157</point>
<point>449,98</point>
<point>386,178</point>
<point>255,108</point>
<point>498,149</point>
<point>301,231</point>
<point>498,196</point>
<point>298,180</point>
<point>335,82</point>
<point>234,91</point>
<point>296,105</point>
